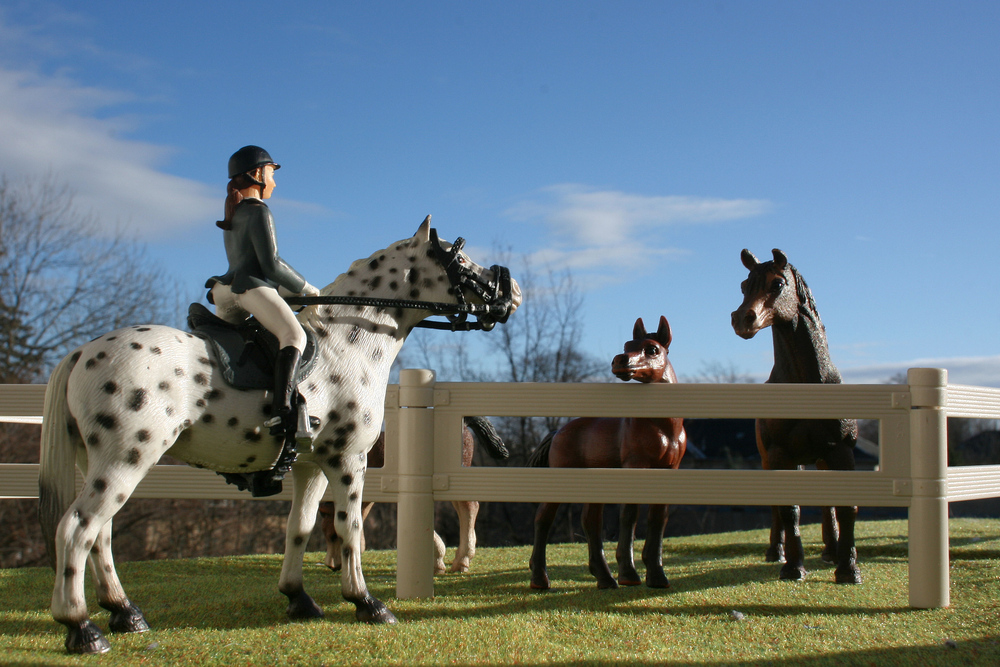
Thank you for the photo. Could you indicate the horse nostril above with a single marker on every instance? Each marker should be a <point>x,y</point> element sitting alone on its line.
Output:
<point>749,318</point>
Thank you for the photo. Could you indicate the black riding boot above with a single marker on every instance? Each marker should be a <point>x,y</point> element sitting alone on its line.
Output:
<point>286,370</point>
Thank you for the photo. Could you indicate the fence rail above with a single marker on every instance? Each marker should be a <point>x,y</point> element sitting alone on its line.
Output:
<point>424,420</point>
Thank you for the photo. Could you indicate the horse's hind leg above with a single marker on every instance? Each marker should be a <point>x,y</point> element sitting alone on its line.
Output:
<point>652,550</point>
<point>125,616</point>
<point>593,527</point>
<point>831,535</point>
<point>467,512</point>
<point>309,484</point>
<point>776,547</point>
<point>627,574</point>
<point>543,524</point>
<point>847,571</point>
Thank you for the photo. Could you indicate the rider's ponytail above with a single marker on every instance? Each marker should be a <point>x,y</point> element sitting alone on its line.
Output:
<point>234,197</point>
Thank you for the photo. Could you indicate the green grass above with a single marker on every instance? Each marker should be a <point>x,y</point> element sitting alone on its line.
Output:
<point>227,611</point>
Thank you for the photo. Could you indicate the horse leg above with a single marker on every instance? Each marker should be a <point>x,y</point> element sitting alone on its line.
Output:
<point>125,616</point>
<point>831,536</point>
<point>544,517</point>
<point>776,549</point>
<point>78,531</point>
<point>308,484</point>
<point>335,545</point>
<point>347,472</point>
<point>652,550</point>
<point>467,513</point>
<point>627,575</point>
<point>847,571</point>
<point>593,527</point>
<point>794,568</point>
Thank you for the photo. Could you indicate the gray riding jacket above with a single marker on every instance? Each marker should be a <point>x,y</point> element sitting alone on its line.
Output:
<point>252,250</point>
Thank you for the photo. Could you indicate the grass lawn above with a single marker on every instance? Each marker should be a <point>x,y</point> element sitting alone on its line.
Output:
<point>227,611</point>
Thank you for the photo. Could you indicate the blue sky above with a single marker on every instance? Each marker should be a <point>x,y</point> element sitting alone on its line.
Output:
<point>640,144</point>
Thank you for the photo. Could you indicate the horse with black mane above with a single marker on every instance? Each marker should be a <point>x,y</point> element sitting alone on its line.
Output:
<point>114,406</point>
<point>775,295</point>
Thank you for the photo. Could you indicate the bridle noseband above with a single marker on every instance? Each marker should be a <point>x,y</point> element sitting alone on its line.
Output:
<point>496,294</point>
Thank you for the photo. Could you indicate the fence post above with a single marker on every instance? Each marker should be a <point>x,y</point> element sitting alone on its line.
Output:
<point>928,516</point>
<point>415,512</point>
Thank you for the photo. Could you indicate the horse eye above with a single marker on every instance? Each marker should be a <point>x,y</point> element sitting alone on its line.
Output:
<point>652,350</point>
<point>778,285</point>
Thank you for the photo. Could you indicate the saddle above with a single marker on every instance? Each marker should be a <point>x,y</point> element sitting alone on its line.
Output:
<point>246,353</point>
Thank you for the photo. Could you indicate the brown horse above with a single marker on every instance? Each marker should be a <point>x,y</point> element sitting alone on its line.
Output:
<point>776,296</point>
<point>473,428</point>
<point>617,443</point>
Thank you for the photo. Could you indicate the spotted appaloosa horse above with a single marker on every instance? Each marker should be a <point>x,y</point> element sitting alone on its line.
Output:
<point>467,509</point>
<point>776,296</point>
<point>617,443</point>
<point>117,404</point>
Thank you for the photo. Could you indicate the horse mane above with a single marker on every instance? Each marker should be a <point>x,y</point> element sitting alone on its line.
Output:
<point>807,304</point>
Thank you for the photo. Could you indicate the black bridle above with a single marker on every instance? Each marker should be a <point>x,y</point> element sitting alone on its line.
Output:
<point>496,294</point>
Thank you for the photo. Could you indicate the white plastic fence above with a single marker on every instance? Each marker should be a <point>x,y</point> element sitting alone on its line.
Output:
<point>423,463</point>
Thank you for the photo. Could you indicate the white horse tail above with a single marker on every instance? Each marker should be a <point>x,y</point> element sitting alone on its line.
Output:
<point>57,469</point>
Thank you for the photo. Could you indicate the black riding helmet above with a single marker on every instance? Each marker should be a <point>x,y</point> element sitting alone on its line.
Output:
<point>249,158</point>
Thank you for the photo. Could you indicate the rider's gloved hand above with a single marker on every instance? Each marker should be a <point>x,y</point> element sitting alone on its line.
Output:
<point>310,290</point>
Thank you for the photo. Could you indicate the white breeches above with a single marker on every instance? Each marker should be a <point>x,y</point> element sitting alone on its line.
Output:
<point>267,306</point>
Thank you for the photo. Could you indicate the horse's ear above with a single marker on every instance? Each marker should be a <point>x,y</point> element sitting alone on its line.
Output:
<point>663,335</point>
<point>639,330</point>
<point>780,261</point>
<point>423,234</point>
<point>749,260</point>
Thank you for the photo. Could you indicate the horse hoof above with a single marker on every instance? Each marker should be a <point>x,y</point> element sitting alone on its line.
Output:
<point>829,557</point>
<point>372,611</point>
<point>628,582</point>
<point>301,607</point>
<point>851,575</point>
<point>85,638</point>
<point>126,619</point>
<point>657,582</point>
<point>607,584</point>
<point>792,573</point>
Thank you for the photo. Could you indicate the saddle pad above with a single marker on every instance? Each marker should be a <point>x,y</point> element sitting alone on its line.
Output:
<point>245,352</point>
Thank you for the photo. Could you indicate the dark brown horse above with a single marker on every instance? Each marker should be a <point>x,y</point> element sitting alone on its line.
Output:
<point>776,296</point>
<point>617,443</point>
<point>473,428</point>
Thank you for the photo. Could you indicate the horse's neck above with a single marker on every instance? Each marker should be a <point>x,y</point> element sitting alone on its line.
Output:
<point>801,353</point>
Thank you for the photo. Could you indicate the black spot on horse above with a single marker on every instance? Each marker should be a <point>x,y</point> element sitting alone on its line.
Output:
<point>200,403</point>
<point>352,406</point>
<point>353,496</point>
<point>233,422</point>
<point>120,498</point>
<point>101,355</point>
<point>93,440</point>
<point>169,411</point>
<point>376,355</point>
<point>352,337</point>
<point>164,386</point>
<point>414,294</point>
<point>105,420</point>
<point>142,435</point>
<point>394,285</point>
<point>100,484</point>
<point>69,572</point>
<point>142,328</point>
<point>156,350</point>
<point>76,357</point>
<point>252,436</point>
<point>251,459</point>
<point>111,338</point>
<point>266,409</point>
<point>347,552</point>
<point>322,331</point>
<point>346,480</point>
<point>412,276</point>
<point>340,442</point>
<point>298,540</point>
<point>135,346</point>
<point>179,372</point>
<point>207,418</point>
<point>375,282</point>
<point>342,515</point>
<point>335,379</point>
<point>133,457</point>
<point>137,400</point>
<point>90,363</point>
<point>333,461</point>
<point>334,416</point>
<point>110,387</point>
<point>213,394</point>
<point>200,378</point>
<point>373,264</point>
<point>367,418</point>
<point>204,361</point>
<point>321,450</point>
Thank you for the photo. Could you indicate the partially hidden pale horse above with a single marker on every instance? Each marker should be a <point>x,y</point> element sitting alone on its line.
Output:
<point>473,428</point>
<point>117,404</point>
<point>590,442</point>
<point>775,295</point>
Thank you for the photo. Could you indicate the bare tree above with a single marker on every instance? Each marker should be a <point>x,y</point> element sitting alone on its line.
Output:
<point>718,372</point>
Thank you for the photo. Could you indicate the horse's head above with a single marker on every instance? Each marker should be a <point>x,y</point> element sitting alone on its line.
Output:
<point>770,294</point>
<point>645,356</point>
<point>424,272</point>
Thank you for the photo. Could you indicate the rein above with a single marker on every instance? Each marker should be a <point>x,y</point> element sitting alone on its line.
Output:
<point>495,293</point>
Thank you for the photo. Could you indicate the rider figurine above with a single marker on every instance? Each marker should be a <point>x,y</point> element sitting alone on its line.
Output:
<point>258,278</point>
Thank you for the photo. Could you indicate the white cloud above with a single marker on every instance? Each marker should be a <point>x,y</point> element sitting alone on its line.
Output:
<point>606,229</point>
<point>980,371</point>
<point>50,125</point>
